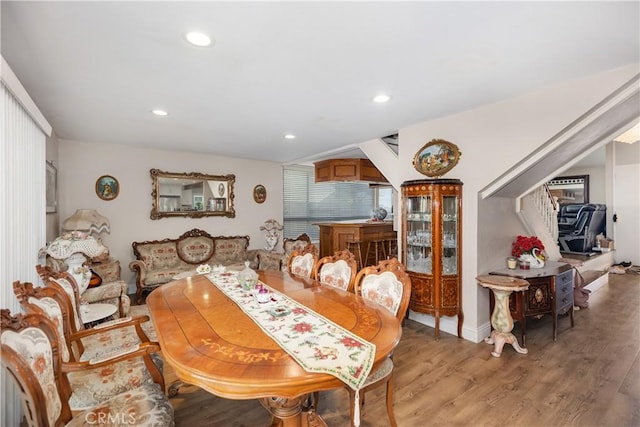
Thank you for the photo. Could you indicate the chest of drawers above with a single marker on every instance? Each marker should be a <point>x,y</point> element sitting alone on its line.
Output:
<point>550,293</point>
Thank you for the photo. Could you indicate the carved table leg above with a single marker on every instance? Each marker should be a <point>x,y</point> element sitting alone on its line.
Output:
<point>174,387</point>
<point>291,412</point>
<point>502,323</point>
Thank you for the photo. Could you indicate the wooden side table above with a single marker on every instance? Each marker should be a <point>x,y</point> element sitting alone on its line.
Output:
<point>501,319</point>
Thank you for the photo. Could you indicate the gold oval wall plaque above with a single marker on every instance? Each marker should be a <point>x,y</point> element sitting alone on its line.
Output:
<point>436,158</point>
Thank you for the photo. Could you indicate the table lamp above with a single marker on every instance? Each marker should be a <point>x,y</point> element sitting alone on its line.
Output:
<point>88,221</point>
<point>72,247</point>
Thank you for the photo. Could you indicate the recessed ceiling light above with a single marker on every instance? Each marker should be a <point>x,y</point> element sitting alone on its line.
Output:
<point>289,136</point>
<point>381,98</point>
<point>160,112</point>
<point>198,39</point>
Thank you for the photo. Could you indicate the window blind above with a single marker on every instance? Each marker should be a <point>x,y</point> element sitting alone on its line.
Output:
<point>306,202</point>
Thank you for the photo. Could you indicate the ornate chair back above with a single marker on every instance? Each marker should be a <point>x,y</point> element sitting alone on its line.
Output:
<point>338,270</point>
<point>302,263</point>
<point>297,244</point>
<point>51,303</point>
<point>387,284</point>
<point>66,282</point>
<point>132,330</point>
<point>31,356</point>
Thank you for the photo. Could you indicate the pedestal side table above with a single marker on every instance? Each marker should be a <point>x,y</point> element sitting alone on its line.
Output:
<point>501,319</point>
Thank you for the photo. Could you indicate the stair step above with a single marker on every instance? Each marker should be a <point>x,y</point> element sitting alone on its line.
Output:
<point>595,279</point>
<point>599,262</point>
<point>590,276</point>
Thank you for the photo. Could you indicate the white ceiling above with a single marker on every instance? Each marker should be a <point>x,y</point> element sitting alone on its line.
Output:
<point>96,69</point>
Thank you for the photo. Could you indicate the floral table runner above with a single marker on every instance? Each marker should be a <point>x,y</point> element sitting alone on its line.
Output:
<point>316,343</point>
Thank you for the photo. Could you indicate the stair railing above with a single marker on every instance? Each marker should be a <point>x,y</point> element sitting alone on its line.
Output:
<point>548,209</point>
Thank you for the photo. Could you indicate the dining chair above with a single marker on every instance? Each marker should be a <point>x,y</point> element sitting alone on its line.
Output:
<point>106,374</point>
<point>116,333</point>
<point>338,270</point>
<point>302,262</point>
<point>289,245</point>
<point>388,285</point>
<point>31,355</point>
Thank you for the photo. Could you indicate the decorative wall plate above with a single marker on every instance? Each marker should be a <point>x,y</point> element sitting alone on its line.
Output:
<point>107,187</point>
<point>436,158</point>
<point>259,193</point>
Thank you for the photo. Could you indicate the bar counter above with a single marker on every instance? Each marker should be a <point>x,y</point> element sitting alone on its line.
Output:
<point>335,235</point>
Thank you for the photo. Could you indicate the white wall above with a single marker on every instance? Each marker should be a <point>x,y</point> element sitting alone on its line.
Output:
<point>82,163</point>
<point>626,202</point>
<point>492,139</point>
<point>53,218</point>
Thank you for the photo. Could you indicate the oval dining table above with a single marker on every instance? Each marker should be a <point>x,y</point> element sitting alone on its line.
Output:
<point>211,343</point>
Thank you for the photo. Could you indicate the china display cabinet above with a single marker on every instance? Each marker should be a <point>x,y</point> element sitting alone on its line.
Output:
<point>432,247</point>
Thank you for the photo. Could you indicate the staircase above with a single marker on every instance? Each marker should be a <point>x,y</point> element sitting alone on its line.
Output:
<point>538,211</point>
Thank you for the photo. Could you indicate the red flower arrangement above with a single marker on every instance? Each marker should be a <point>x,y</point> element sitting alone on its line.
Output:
<point>525,245</point>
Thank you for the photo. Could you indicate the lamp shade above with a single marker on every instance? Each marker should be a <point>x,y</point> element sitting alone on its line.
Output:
<point>88,221</point>
<point>74,242</point>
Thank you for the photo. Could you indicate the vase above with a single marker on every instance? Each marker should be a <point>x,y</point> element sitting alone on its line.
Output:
<point>378,214</point>
<point>247,277</point>
<point>79,271</point>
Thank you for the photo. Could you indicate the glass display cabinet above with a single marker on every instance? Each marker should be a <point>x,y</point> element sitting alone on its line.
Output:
<point>431,247</point>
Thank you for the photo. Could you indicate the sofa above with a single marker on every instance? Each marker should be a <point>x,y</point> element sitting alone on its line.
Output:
<point>160,261</point>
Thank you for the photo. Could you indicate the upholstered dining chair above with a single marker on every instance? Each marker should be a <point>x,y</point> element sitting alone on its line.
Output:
<point>338,270</point>
<point>389,285</point>
<point>31,355</point>
<point>302,262</point>
<point>115,334</point>
<point>290,245</point>
<point>103,376</point>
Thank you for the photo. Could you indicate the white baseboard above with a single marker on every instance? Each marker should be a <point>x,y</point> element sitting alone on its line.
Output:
<point>449,325</point>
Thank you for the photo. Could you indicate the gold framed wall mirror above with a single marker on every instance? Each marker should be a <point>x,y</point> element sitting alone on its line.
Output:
<point>192,195</point>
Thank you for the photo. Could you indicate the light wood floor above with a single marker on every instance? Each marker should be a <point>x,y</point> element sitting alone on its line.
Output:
<point>589,377</point>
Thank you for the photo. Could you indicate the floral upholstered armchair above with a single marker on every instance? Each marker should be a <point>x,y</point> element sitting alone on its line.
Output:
<point>32,356</point>
<point>114,292</point>
<point>269,260</point>
<point>130,366</point>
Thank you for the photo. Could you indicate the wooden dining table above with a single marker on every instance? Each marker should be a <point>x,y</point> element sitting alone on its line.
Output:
<point>211,343</point>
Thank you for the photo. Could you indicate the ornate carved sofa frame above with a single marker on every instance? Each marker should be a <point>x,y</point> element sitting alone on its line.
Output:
<point>159,261</point>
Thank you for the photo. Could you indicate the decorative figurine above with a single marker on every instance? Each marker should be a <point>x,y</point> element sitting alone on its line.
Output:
<point>272,230</point>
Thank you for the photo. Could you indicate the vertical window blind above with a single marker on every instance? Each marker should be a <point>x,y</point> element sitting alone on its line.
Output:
<point>306,202</point>
<point>22,217</point>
